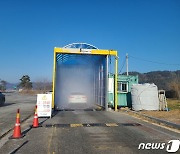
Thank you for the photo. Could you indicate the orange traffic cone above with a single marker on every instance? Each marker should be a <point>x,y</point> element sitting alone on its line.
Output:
<point>35,121</point>
<point>17,128</point>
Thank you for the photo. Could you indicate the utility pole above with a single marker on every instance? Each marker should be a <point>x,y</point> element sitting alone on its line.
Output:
<point>127,64</point>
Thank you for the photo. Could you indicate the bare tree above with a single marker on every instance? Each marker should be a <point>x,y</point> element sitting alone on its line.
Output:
<point>3,85</point>
<point>175,86</point>
<point>43,85</point>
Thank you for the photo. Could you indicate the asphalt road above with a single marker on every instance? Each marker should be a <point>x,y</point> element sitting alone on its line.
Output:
<point>79,132</point>
<point>25,103</point>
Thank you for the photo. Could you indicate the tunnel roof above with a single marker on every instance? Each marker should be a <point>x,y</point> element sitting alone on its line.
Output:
<point>80,46</point>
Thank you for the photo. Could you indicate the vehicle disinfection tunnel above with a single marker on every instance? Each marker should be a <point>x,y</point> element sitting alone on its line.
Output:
<point>80,77</point>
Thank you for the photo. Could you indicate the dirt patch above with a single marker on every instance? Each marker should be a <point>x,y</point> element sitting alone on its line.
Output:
<point>173,115</point>
<point>31,92</point>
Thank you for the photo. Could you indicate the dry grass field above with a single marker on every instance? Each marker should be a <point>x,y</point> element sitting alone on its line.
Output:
<point>173,115</point>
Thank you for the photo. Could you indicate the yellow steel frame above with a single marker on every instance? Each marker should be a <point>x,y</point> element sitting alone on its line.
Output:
<point>92,52</point>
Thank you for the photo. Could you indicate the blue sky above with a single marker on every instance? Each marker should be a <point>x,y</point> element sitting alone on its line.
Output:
<point>145,29</point>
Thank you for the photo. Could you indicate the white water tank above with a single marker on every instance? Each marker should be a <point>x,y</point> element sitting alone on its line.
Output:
<point>144,97</point>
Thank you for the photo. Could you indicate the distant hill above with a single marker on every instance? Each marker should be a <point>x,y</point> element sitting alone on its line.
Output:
<point>11,86</point>
<point>161,78</point>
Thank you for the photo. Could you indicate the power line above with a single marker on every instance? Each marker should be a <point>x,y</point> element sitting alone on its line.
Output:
<point>150,61</point>
<point>122,65</point>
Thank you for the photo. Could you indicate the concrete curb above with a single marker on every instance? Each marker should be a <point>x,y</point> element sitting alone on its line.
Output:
<point>156,120</point>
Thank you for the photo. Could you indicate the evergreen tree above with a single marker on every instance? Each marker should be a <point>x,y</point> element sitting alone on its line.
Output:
<point>25,82</point>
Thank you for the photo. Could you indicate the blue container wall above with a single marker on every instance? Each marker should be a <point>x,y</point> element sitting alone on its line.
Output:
<point>124,97</point>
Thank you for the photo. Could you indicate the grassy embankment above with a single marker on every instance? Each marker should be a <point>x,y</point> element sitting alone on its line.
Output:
<point>173,115</point>
<point>173,104</point>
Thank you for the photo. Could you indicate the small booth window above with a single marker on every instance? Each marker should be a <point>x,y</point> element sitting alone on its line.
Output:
<point>122,87</point>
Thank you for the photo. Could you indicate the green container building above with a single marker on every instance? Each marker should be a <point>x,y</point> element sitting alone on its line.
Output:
<point>124,89</point>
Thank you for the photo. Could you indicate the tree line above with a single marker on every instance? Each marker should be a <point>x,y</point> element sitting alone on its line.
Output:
<point>25,83</point>
<point>166,80</point>
<point>41,85</point>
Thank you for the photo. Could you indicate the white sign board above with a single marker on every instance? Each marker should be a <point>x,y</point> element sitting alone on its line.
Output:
<point>44,105</point>
<point>85,51</point>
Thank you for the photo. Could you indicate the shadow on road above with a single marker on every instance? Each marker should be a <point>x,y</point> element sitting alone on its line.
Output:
<point>19,147</point>
<point>7,104</point>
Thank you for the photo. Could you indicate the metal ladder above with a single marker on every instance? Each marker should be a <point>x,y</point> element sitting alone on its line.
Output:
<point>162,100</point>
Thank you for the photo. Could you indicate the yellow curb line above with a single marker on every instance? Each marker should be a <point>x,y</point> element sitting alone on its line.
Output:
<point>76,125</point>
<point>111,124</point>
